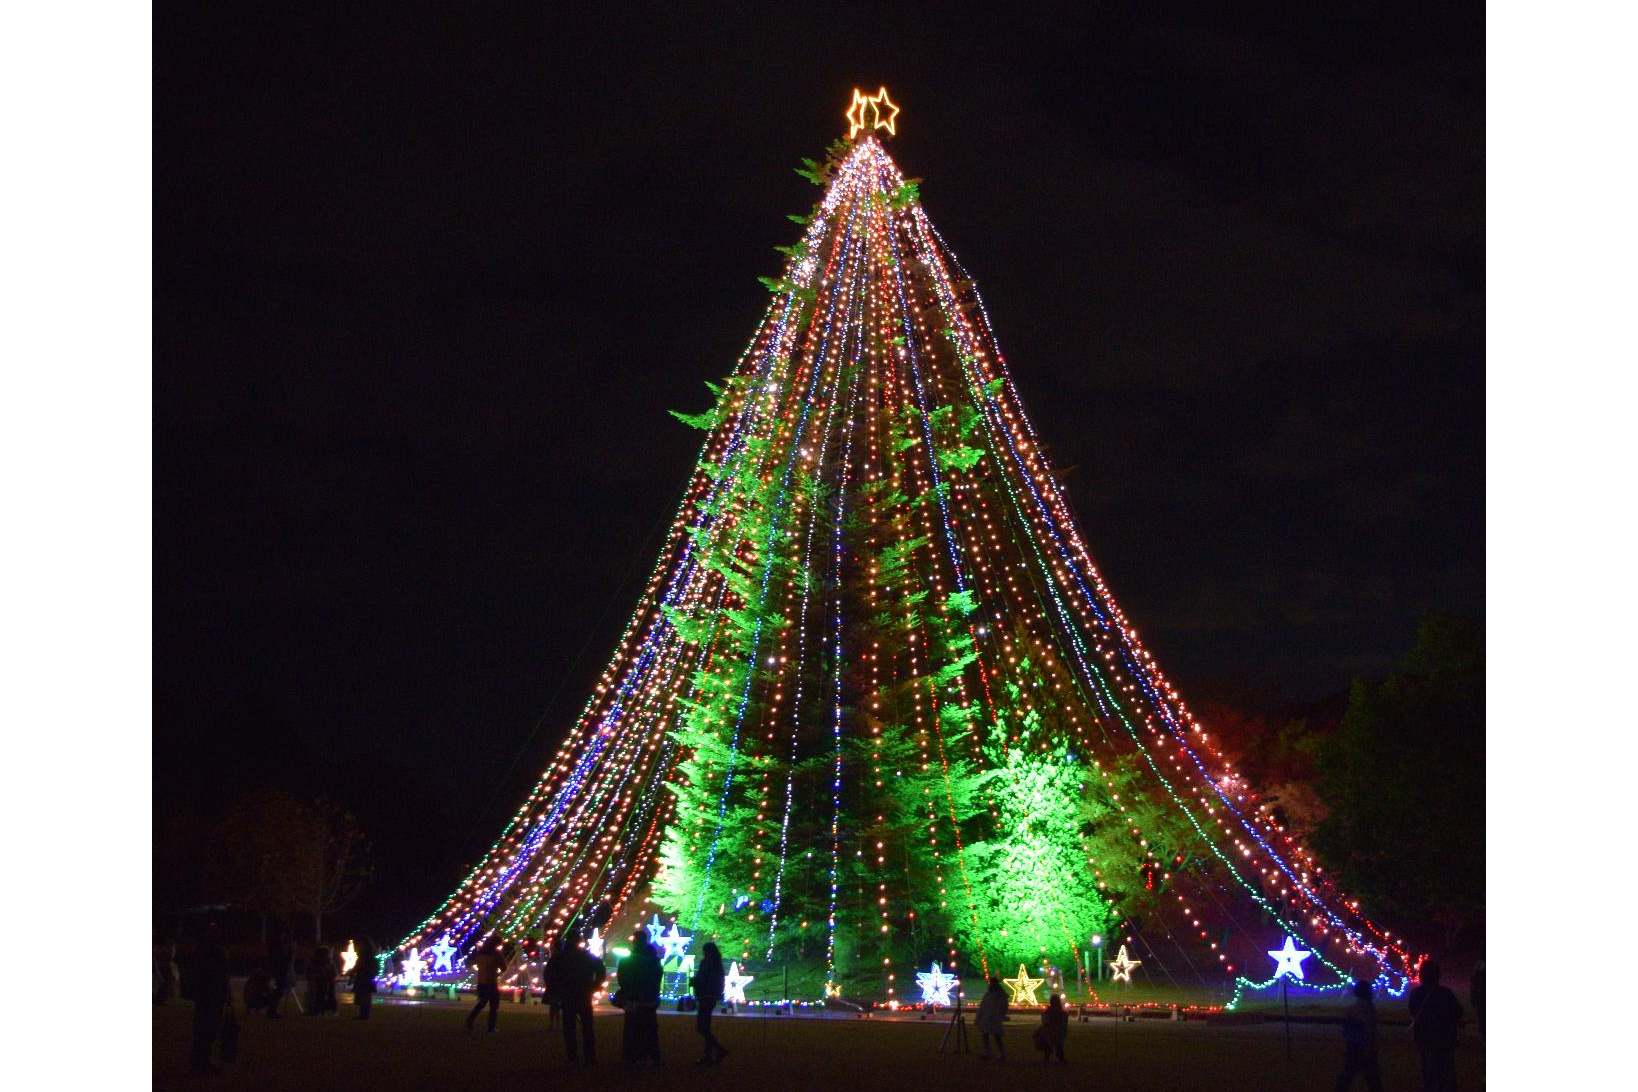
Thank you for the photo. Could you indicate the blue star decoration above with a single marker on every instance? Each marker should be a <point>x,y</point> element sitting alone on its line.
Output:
<point>674,943</point>
<point>655,930</point>
<point>441,953</point>
<point>1289,959</point>
<point>935,985</point>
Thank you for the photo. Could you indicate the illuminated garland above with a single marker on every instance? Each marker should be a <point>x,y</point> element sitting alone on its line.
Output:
<point>805,738</point>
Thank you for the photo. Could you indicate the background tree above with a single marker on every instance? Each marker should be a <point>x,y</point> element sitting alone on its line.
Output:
<point>1409,759</point>
<point>278,854</point>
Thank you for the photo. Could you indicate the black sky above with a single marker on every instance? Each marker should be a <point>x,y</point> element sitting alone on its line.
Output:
<point>428,279</point>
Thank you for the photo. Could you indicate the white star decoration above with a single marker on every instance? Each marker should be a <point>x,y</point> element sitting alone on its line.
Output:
<point>1289,959</point>
<point>734,983</point>
<point>1023,987</point>
<point>349,957</point>
<point>655,930</point>
<point>594,944</point>
<point>440,953</point>
<point>935,985</point>
<point>674,943</point>
<point>413,966</point>
<point>1121,969</point>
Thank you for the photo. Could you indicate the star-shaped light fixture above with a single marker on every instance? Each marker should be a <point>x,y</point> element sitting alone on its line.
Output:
<point>1120,970</point>
<point>935,985</point>
<point>349,958</point>
<point>441,953</point>
<point>734,983</point>
<point>1023,987</point>
<point>594,944</point>
<point>674,943</point>
<point>871,112</point>
<point>655,929</point>
<point>413,966</point>
<point>1289,959</point>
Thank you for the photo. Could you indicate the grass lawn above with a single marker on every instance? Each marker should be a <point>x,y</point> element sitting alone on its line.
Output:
<point>425,1045</point>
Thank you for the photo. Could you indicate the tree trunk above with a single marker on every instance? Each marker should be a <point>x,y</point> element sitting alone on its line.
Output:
<point>318,926</point>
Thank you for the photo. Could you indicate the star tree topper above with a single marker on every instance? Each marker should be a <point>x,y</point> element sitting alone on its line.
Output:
<point>865,113</point>
<point>1289,959</point>
<point>1023,987</point>
<point>1121,969</point>
<point>734,983</point>
<point>441,952</point>
<point>935,985</point>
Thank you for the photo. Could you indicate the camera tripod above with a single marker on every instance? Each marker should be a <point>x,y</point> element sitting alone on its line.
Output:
<point>957,1027</point>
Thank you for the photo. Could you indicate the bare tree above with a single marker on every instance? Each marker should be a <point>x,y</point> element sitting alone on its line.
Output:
<point>276,853</point>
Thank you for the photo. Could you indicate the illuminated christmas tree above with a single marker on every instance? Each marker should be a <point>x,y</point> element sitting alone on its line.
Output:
<point>876,706</point>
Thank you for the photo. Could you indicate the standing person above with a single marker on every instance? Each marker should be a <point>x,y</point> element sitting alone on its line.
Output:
<point>488,965</point>
<point>639,974</point>
<point>281,968</point>
<point>1475,994</point>
<point>708,985</point>
<point>165,974</point>
<point>321,982</point>
<point>992,1013</point>
<point>572,977</point>
<point>364,971</point>
<point>207,988</point>
<point>1435,1014</point>
<point>1054,1029</point>
<point>1359,1039</point>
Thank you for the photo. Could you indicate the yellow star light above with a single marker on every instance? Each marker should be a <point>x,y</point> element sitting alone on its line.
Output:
<point>877,101</point>
<point>1121,969</point>
<point>855,113</point>
<point>1023,987</point>
<point>866,112</point>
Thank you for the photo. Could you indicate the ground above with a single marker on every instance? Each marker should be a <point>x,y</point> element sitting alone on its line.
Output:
<point>425,1045</point>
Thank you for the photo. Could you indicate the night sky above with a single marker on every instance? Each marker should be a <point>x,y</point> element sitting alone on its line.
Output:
<point>427,281</point>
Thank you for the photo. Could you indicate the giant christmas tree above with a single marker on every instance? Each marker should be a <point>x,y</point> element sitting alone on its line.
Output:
<point>876,708</point>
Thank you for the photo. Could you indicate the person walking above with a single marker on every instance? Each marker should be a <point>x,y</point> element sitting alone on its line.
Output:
<point>321,982</point>
<point>572,977</point>
<point>708,985</point>
<point>1359,1040</point>
<point>1435,1015</point>
<point>1054,1029</point>
<point>992,1014</point>
<point>364,970</point>
<point>487,965</point>
<point>639,977</point>
<point>206,983</point>
<point>281,969</point>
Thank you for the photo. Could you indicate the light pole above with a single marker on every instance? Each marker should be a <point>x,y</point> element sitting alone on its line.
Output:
<point>1095,946</point>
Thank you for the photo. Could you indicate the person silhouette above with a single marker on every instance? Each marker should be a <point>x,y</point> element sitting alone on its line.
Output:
<point>708,987</point>
<point>639,975</point>
<point>1435,1015</point>
<point>364,971</point>
<point>572,977</point>
<point>487,966</point>
<point>1359,1041</point>
<point>321,982</point>
<point>207,987</point>
<point>1054,1029</point>
<point>992,1015</point>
